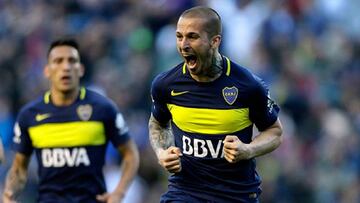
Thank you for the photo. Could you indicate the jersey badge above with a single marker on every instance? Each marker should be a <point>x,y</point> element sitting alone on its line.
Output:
<point>230,94</point>
<point>84,112</point>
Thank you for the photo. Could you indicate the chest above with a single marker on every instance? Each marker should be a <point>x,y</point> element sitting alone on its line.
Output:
<point>212,108</point>
<point>77,125</point>
<point>222,94</point>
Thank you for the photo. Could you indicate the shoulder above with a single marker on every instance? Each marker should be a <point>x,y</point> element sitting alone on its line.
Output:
<point>27,113</point>
<point>98,98</point>
<point>100,101</point>
<point>239,71</point>
<point>164,78</point>
<point>253,85</point>
<point>245,76</point>
<point>32,106</point>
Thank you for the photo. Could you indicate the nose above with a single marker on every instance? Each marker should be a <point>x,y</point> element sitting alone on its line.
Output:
<point>66,65</point>
<point>184,44</point>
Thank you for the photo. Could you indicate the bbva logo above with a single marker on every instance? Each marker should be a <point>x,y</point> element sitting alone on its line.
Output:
<point>202,148</point>
<point>60,157</point>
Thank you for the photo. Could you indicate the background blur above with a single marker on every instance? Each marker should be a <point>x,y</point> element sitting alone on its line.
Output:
<point>308,51</point>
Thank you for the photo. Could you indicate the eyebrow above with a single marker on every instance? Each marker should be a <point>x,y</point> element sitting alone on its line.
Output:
<point>187,34</point>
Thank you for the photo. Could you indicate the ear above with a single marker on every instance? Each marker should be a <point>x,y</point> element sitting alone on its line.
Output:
<point>82,71</point>
<point>215,41</point>
<point>46,71</point>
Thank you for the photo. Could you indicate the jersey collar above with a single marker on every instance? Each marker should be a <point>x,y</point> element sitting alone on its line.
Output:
<point>81,95</point>
<point>228,66</point>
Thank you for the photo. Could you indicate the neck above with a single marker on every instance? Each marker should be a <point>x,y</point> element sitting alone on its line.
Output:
<point>59,98</point>
<point>213,72</point>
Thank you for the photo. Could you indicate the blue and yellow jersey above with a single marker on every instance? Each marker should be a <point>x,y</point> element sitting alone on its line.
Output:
<point>201,115</point>
<point>70,144</point>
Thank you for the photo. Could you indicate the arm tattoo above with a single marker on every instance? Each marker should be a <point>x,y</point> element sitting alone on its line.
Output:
<point>15,182</point>
<point>160,137</point>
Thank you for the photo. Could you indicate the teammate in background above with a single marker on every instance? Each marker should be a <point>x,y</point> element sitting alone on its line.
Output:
<point>202,118</point>
<point>2,153</point>
<point>69,128</point>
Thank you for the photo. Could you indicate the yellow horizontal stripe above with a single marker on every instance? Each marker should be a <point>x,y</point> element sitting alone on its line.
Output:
<point>209,121</point>
<point>68,134</point>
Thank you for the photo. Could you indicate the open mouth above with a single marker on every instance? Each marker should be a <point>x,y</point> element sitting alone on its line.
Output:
<point>190,60</point>
<point>65,78</point>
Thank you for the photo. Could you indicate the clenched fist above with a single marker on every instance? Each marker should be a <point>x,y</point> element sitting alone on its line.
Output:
<point>170,159</point>
<point>235,150</point>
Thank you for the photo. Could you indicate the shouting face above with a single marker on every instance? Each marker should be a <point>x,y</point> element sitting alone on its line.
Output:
<point>195,45</point>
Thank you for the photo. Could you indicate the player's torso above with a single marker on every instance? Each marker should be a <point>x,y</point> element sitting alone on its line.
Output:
<point>61,135</point>
<point>202,115</point>
<point>69,144</point>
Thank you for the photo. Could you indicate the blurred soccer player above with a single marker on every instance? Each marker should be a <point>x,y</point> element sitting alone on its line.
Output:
<point>202,118</point>
<point>69,128</point>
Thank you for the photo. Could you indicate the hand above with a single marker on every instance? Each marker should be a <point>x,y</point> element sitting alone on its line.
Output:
<point>110,197</point>
<point>8,197</point>
<point>170,159</point>
<point>235,150</point>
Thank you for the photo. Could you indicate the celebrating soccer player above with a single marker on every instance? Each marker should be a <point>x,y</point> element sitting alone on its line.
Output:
<point>203,114</point>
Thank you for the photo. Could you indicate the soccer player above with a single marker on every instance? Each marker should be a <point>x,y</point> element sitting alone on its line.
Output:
<point>69,129</point>
<point>202,118</point>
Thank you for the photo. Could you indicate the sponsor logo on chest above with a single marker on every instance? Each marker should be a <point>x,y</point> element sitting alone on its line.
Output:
<point>60,157</point>
<point>202,148</point>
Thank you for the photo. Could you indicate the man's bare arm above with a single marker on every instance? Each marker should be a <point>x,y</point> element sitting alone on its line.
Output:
<point>129,168</point>
<point>2,153</point>
<point>267,140</point>
<point>160,137</point>
<point>130,165</point>
<point>16,177</point>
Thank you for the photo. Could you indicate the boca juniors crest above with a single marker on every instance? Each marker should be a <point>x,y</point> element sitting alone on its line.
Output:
<point>84,112</point>
<point>230,94</point>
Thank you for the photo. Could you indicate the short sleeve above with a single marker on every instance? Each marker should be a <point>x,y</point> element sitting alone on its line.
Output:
<point>116,128</point>
<point>159,109</point>
<point>263,110</point>
<point>21,140</point>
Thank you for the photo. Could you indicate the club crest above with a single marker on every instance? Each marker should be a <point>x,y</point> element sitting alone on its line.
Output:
<point>84,112</point>
<point>230,94</point>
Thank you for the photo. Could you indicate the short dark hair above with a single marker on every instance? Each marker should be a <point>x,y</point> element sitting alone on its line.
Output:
<point>63,42</point>
<point>213,24</point>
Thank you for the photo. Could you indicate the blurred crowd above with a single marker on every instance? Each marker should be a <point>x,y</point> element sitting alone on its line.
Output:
<point>308,51</point>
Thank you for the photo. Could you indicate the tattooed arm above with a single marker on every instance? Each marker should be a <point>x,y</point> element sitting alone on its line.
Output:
<point>162,142</point>
<point>16,178</point>
<point>161,137</point>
